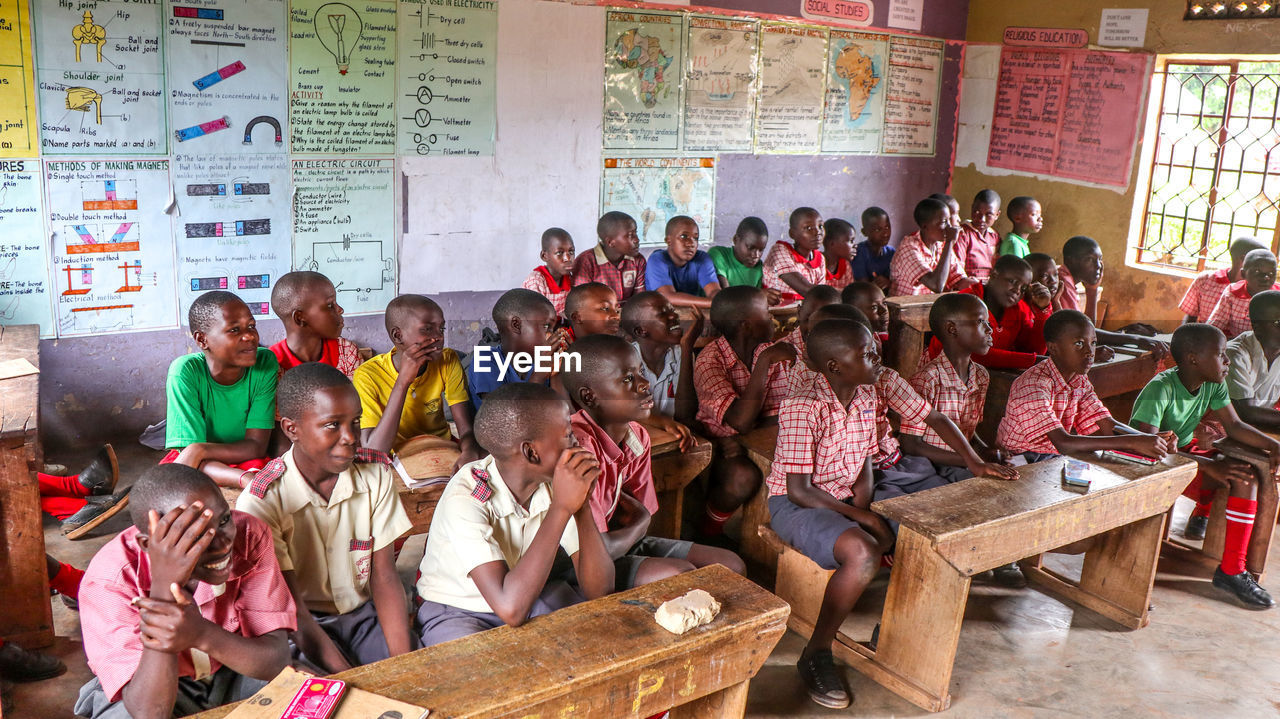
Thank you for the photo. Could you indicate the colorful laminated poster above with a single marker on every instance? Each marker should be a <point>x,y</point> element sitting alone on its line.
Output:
<point>446,77</point>
<point>17,82</point>
<point>227,85</point>
<point>792,84</point>
<point>853,121</point>
<point>653,190</point>
<point>911,107</point>
<point>24,252</point>
<point>102,82</point>
<point>720,84</point>
<point>644,60</point>
<point>112,245</point>
<point>232,227</point>
<point>342,82</point>
<point>344,225</point>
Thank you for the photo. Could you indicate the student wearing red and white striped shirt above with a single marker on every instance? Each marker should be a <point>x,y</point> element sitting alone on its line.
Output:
<point>1205,290</point>
<point>554,278</point>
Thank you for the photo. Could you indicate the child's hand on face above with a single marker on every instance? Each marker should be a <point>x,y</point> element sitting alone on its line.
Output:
<point>574,474</point>
<point>697,321</point>
<point>778,352</point>
<point>773,296</point>
<point>559,339</point>
<point>170,626</point>
<point>1039,296</point>
<point>950,232</point>
<point>416,356</point>
<point>175,543</point>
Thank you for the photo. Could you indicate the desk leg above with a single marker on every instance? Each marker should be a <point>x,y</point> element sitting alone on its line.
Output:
<point>666,523</point>
<point>28,616</point>
<point>728,702</point>
<point>907,347</point>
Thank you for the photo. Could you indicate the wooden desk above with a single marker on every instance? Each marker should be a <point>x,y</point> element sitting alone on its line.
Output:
<point>420,504</point>
<point>951,533</point>
<point>908,327</point>
<point>557,665</point>
<point>28,616</point>
<point>673,470</point>
<point>759,445</point>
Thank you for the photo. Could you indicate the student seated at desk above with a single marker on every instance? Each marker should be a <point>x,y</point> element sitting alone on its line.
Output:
<point>977,241</point>
<point>334,513</point>
<point>1044,272</point>
<point>740,379</point>
<point>837,248</point>
<point>650,322</point>
<point>820,488</point>
<point>307,304</point>
<point>592,308</point>
<point>1253,378</point>
<point>817,297</point>
<point>612,397</point>
<point>186,609</point>
<point>554,278</point>
<point>400,390</point>
<point>1024,213</point>
<point>1082,262</point>
<point>1052,408</point>
<point>616,261</point>
<point>872,256</point>
<point>1206,289</point>
<point>221,401</point>
<point>1257,274</point>
<point>1178,399</point>
<point>926,261</point>
<point>498,527</point>
<point>791,268</point>
<point>526,323</point>
<point>741,263</point>
<point>682,272</point>
<point>870,301</point>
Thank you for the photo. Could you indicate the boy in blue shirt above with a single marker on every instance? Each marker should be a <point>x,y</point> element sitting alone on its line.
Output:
<point>871,257</point>
<point>684,274</point>
<point>526,323</point>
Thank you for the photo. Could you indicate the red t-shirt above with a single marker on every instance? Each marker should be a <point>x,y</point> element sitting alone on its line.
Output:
<point>1017,338</point>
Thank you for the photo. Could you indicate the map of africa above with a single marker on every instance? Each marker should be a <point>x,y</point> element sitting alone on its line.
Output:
<point>855,107</point>
<point>653,195</point>
<point>860,78</point>
<point>643,53</point>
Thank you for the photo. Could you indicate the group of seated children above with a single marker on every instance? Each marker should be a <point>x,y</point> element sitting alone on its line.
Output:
<point>552,494</point>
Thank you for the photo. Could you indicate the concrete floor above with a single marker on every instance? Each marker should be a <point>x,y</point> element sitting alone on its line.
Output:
<point>1021,653</point>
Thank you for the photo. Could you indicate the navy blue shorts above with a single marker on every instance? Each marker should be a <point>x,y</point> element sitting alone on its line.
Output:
<point>813,531</point>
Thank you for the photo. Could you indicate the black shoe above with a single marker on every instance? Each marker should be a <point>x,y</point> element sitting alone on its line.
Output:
<point>1245,588</point>
<point>70,603</point>
<point>95,511</point>
<point>21,665</point>
<point>1196,526</point>
<point>103,472</point>
<point>823,679</point>
<point>1010,575</point>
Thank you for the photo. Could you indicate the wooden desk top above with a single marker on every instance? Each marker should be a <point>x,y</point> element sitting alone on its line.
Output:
<point>913,310</point>
<point>19,396</point>
<point>559,660</point>
<point>663,442</point>
<point>761,442</point>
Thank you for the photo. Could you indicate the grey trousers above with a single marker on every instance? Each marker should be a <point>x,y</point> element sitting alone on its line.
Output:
<point>194,696</point>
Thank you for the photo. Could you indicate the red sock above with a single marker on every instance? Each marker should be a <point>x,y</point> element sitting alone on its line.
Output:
<point>52,485</point>
<point>67,580</point>
<point>1240,513</point>
<point>61,507</point>
<point>1204,503</point>
<point>713,522</point>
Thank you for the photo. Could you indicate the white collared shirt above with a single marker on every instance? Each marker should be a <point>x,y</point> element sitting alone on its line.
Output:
<point>664,384</point>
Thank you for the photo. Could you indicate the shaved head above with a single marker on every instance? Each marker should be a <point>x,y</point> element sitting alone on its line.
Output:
<point>838,337</point>
<point>513,414</point>
<point>600,355</point>
<point>950,307</point>
<point>403,307</point>
<point>286,296</point>
<point>166,486</point>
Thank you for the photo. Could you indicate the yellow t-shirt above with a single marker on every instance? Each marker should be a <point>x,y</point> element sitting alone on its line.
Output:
<point>422,413</point>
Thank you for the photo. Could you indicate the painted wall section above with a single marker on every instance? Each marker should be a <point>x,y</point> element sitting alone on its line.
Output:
<point>1133,294</point>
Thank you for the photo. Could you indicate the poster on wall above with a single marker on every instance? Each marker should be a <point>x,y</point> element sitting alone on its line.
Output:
<point>101,76</point>
<point>911,106</point>
<point>446,77</point>
<point>653,190</point>
<point>112,247</point>
<point>344,228</point>
<point>232,227</point>
<point>17,82</point>
<point>24,274</point>
<point>342,58</point>
<point>644,59</point>
<point>853,120</point>
<point>227,85</point>
<point>792,74</point>
<point>720,84</point>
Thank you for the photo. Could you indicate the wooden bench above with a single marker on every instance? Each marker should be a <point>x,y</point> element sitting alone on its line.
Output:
<point>557,665</point>
<point>951,533</point>
<point>28,616</point>
<point>673,470</point>
<point>759,445</point>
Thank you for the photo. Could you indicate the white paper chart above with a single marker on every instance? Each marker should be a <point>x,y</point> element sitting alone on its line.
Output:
<point>24,277</point>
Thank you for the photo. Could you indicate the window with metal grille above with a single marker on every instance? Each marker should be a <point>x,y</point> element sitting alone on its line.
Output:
<point>1215,170</point>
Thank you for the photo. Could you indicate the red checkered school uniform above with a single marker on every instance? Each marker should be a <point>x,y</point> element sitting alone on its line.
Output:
<point>1041,401</point>
<point>627,468</point>
<point>255,601</point>
<point>820,437</point>
<point>940,385</point>
<point>798,375</point>
<point>843,276</point>
<point>1202,296</point>
<point>625,278</point>
<point>1231,314</point>
<point>914,259</point>
<point>895,393</point>
<point>719,378</point>
<point>1016,338</point>
<point>340,353</point>
<point>541,281</point>
<point>975,249</point>
<point>1070,298</point>
<point>783,258</point>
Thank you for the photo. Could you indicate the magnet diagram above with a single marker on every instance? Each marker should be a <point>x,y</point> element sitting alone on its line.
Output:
<point>241,189</point>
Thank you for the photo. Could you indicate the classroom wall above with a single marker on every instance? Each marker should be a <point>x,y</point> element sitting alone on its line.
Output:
<point>1133,294</point>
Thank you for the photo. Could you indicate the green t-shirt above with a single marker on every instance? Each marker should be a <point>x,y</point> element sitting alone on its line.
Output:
<point>201,410</point>
<point>736,273</point>
<point>1166,404</point>
<point>1014,245</point>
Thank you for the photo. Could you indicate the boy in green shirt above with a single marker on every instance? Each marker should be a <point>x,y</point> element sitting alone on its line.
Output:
<point>741,263</point>
<point>1024,212</point>
<point>221,401</point>
<point>1174,402</point>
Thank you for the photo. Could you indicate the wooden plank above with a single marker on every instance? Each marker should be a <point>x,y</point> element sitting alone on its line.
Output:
<point>759,445</point>
<point>564,669</point>
<point>673,470</point>
<point>908,328</point>
<point>420,504</point>
<point>19,396</point>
